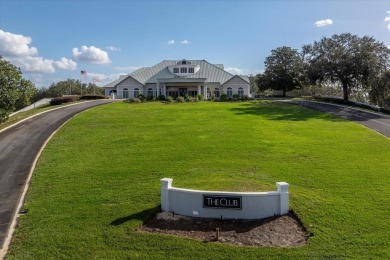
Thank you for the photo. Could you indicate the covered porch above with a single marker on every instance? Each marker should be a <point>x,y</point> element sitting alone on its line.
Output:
<point>182,87</point>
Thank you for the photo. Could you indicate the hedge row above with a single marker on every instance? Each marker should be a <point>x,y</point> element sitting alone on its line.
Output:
<point>67,99</point>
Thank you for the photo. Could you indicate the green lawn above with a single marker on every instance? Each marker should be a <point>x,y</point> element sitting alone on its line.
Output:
<point>98,179</point>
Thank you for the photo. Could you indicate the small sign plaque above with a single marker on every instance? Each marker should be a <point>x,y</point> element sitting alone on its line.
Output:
<point>221,201</point>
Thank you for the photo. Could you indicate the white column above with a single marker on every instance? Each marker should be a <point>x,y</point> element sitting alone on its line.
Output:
<point>205,92</point>
<point>164,92</point>
<point>199,90</point>
<point>284,197</point>
<point>157,88</point>
<point>166,184</point>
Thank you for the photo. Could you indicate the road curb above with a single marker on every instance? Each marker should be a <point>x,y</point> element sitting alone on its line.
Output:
<point>16,214</point>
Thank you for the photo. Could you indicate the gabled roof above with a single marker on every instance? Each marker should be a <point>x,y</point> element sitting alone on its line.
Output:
<point>160,71</point>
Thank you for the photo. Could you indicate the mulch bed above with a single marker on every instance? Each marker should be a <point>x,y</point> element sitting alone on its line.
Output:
<point>280,231</point>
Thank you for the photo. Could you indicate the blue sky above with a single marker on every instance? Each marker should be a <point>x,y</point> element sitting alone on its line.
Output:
<point>52,40</point>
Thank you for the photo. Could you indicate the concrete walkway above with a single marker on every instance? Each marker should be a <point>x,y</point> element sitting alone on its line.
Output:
<point>20,147</point>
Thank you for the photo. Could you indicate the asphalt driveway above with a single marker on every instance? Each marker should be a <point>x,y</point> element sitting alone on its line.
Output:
<point>375,121</point>
<point>19,146</point>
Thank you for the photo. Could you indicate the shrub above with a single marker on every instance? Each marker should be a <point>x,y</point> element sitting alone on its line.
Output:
<point>187,98</point>
<point>161,97</point>
<point>92,97</point>
<point>169,99</point>
<point>223,98</point>
<point>132,100</point>
<point>199,97</point>
<point>180,99</point>
<point>60,100</point>
<point>141,97</point>
<point>245,98</point>
<point>150,98</point>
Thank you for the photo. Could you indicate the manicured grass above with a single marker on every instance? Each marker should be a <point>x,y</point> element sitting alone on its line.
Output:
<point>98,180</point>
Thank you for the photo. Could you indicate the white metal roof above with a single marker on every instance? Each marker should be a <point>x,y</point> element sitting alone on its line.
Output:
<point>208,71</point>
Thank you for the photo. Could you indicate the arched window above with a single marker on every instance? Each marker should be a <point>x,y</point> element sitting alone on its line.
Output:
<point>216,92</point>
<point>136,92</point>
<point>229,92</point>
<point>125,93</point>
<point>150,92</point>
<point>240,91</point>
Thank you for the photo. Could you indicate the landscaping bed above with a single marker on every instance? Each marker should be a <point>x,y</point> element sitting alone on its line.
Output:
<point>279,231</point>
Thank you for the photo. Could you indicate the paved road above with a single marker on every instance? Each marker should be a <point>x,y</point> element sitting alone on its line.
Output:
<point>375,121</point>
<point>19,146</point>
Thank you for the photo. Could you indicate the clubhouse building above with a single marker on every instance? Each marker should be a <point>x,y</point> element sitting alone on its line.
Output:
<point>179,78</point>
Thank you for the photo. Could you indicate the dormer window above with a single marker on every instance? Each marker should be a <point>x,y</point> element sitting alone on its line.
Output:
<point>183,62</point>
<point>183,68</point>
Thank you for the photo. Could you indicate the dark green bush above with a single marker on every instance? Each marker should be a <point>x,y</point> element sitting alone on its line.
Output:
<point>133,100</point>
<point>223,98</point>
<point>61,100</point>
<point>161,98</point>
<point>180,99</point>
<point>150,98</point>
<point>92,97</point>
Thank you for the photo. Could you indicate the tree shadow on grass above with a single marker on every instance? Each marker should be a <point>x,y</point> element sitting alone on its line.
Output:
<point>280,111</point>
<point>144,215</point>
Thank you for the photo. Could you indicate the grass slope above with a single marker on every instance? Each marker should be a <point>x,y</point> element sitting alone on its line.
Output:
<point>98,179</point>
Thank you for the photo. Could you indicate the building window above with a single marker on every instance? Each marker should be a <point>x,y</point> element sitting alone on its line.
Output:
<point>150,92</point>
<point>216,92</point>
<point>183,70</point>
<point>136,92</point>
<point>192,93</point>
<point>191,70</point>
<point>125,93</point>
<point>240,91</point>
<point>229,92</point>
<point>175,70</point>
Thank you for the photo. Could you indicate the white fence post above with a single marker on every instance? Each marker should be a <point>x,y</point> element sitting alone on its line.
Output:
<point>284,197</point>
<point>166,184</point>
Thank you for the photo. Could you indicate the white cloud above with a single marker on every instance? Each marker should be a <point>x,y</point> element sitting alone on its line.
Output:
<point>33,64</point>
<point>127,69</point>
<point>91,54</point>
<point>234,71</point>
<point>15,48</point>
<point>113,48</point>
<point>16,45</point>
<point>387,20</point>
<point>65,64</point>
<point>322,23</point>
<point>185,42</point>
<point>171,42</point>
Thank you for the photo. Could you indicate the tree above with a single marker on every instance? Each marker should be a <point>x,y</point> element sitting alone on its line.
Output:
<point>14,89</point>
<point>27,91</point>
<point>380,90</point>
<point>283,70</point>
<point>346,59</point>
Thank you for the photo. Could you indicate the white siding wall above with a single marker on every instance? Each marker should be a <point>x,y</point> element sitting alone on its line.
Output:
<point>130,84</point>
<point>235,83</point>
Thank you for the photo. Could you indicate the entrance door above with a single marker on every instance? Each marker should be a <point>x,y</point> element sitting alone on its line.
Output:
<point>182,92</point>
